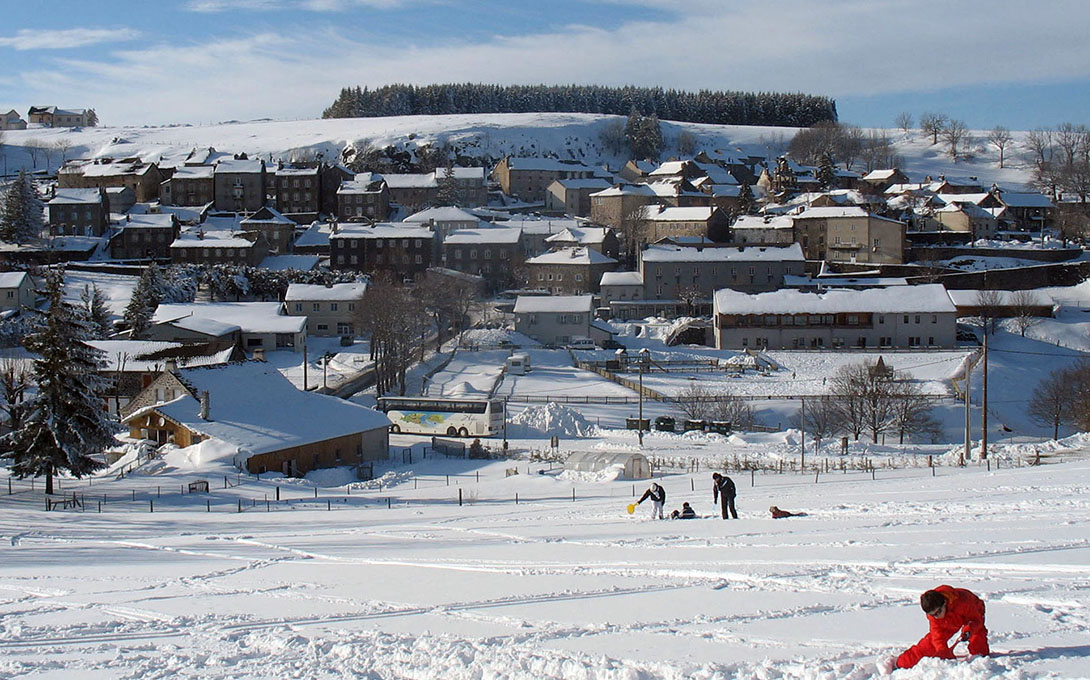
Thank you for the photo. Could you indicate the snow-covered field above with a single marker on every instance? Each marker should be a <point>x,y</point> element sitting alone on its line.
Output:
<point>546,588</point>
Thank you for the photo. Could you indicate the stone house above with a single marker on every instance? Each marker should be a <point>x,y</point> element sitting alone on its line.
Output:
<point>602,239</point>
<point>261,325</point>
<point>569,271</point>
<point>79,212</point>
<point>469,185</point>
<point>572,196</point>
<point>660,222</point>
<point>250,405</point>
<point>1031,211</point>
<point>278,230</point>
<point>144,236</point>
<point>189,185</point>
<point>240,184</point>
<point>329,310</point>
<point>965,216</point>
<point>526,178</point>
<point>894,317</point>
<point>668,272</point>
<point>298,191</point>
<point>365,198</point>
<point>51,116</point>
<point>403,251</point>
<point>219,247</point>
<point>557,319</point>
<point>849,234</point>
<point>493,254</point>
<point>412,192</point>
<point>12,121</point>
<point>143,178</point>
<point>621,204</point>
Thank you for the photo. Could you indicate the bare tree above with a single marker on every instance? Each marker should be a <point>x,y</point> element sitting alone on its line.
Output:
<point>34,150</point>
<point>397,325</point>
<point>694,401</point>
<point>1070,138</point>
<point>988,303</point>
<point>933,124</point>
<point>15,380</point>
<point>904,121</point>
<point>691,296</point>
<point>1000,138</point>
<point>448,301</point>
<point>632,232</point>
<point>732,409</point>
<point>63,146</point>
<point>820,418</point>
<point>1024,305</point>
<point>847,399</point>
<point>1039,143</point>
<point>955,135</point>
<point>911,408</point>
<point>1071,222</point>
<point>1053,402</point>
<point>686,143</point>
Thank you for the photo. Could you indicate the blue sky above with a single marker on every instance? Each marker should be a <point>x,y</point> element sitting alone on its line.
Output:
<point>997,62</point>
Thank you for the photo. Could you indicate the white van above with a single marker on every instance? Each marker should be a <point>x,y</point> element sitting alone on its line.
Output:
<point>518,364</point>
<point>579,342</point>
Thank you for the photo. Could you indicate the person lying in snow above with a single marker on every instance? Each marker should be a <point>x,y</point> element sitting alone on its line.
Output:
<point>780,514</point>
<point>948,610</point>
<point>686,512</point>
<point>657,494</point>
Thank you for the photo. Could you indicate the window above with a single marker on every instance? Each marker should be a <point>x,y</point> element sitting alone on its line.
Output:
<point>317,306</point>
<point>323,327</point>
<point>457,253</point>
<point>934,318</point>
<point>332,306</point>
<point>931,340</point>
<point>578,277</point>
<point>299,305</point>
<point>906,318</point>
<point>853,319</point>
<point>356,260</point>
<point>419,259</point>
<point>351,306</point>
<point>881,318</point>
<point>917,318</point>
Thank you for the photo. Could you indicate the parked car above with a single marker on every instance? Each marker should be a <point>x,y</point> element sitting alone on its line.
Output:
<point>612,344</point>
<point>581,343</point>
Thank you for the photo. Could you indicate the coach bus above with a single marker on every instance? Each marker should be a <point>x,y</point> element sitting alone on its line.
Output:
<point>444,416</point>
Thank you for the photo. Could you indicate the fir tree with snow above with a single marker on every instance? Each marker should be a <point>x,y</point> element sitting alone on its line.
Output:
<point>826,174</point>
<point>20,211</point>
<point>145,298</point>
<point>448,188</point>
<point>64,425</point>
<point>747,204</point>
<point>94,302</point>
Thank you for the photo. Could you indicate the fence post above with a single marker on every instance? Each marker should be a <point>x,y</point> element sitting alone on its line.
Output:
<point>752,477</point>
<point>315,492</point>
<point>328,504</point>
<point>277,493</point>
<point>573,494</point>
<point>872,474</point>
<point>268,507</point>
<point>389,503</point>
<point>516,498</point>
<point>100,508</point>
<point>151,505</point>
<point>134,495</point>
<point>816,473</point>
<point>478,476</point>
<point>448,480</point>
<point>459,497</point>
<point>692,484</point>
<point>240,505</point>
<point>9,486</point>
<point>158,492</point>
<point>225,481</point>
<point>208,505</point>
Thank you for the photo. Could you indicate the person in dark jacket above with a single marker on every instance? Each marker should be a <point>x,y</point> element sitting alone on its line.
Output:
<point>686,512</point>
<point>657,494</point>
<point>723,492</point>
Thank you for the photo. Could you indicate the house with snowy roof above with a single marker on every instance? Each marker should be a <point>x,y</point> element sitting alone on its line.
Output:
<point>671,272</point>
<point>637,171</point>
<point>763,230</point>
<point>849,234</point>
<point>251,406</point>
<point>602,239</point>
<point>278,229</point>
<point>364,198</point>
<point>189,185</point>
<point>257,325</point>
<point>298,191</point>
<point>572,196</point>
<point>967,217</point>
<point>526,178</point>
<point>894,317</point>
<point>443,220</point>
<point>240,184</point>
<point>329,310</point>
<point>79,212</point>
<point>569,271</point>
<point>412,191</point>
<point>51,116</point>
<point>1031,211</point>
<point>469,184</point>
<point>621,287</point>
<point>147,235</point>
<point>557,319</point>
<point>661,221</point>
<point>402,250</point>
<point>878,181</point>
<point>143,178</point>
<point>620,204</point>
<point>12,121</point>
<point>492,253</point>
<point>16,291</point>
<point>219,247</point>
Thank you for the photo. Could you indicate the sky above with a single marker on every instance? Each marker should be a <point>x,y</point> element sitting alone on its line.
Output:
<point>986,62</point>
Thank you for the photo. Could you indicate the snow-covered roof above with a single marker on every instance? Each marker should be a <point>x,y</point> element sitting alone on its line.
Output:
<point>930,298</point>
<point>307,292</point>
<point>622,279</point>
<point>460,173</point>
<point>279,263</point>
<point>579,235</point>
<point>148,221</point>
<point>382,230</point>
<point>495,235</point>
<point>239,166</point>
<point>210,239</point>
<point>442,214</point>
<point>553,226</point>
<point>584,183</point>
<point>657,213</point>
<point>12,279</point>
<point>296,172</point>
<point>971,298</point>
<point>410,181</point>
<point>625,190</point>
<point>194,172</point>
<point>975,198</point>
<point>76,197</point>
<point>880,175</point>
<point>251,317</point>
<point>112,169</point>
<point>546,165</point>
<point>668,253</point>
<point>1025,199</point>
<point>530,304</point>
<point>316,235</point>
<point>200,324</point>
<point>580,256</point>
<point>760,222</point>
<point>254,407</point>
<point>838,211</point>
<point>267,215</point>
<point>133,355</point>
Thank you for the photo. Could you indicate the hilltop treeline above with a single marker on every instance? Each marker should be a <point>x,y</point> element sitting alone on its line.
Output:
<point>705,106</point>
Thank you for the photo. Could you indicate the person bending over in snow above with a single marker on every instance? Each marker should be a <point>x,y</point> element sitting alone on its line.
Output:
<point>780,514</point>
<point>657,494</point>
<point>686,512</point>
<point>949,610</point>
<point>723,491</point>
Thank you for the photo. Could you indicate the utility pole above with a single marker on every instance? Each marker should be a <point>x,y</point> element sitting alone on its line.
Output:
<point>984,404</point>
<point>304,362</point>
<point>802,429</point>
<point>965,454</point>
<point>639,427</point>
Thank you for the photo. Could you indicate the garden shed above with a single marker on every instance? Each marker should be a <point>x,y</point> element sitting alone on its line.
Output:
<point>633,465</point>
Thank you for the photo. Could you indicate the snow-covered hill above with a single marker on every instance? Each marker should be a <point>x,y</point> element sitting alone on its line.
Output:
<point>560,135</point>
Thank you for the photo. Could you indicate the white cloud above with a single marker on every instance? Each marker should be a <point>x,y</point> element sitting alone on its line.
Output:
<point>35,39</point>
<point>311,5</point>
<point>836,48</point>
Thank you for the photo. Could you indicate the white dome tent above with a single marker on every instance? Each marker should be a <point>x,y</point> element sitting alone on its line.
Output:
<point>633,465</point>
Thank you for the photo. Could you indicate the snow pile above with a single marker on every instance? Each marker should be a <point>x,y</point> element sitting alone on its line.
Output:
<point>332,477</point>
<point>385,481</point>
<point>609,474</point>
<point>202,455</point>
<point>554,419</point>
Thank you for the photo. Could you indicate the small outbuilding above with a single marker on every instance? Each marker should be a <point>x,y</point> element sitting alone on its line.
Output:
<point>633,465</point>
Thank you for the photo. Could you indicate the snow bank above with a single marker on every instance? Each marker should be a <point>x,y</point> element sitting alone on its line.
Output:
<point>201,456</point>
<point>553,419</point>
<point>609,474</point>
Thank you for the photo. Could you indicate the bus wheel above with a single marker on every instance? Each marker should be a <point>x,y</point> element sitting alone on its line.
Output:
<point>396,429</point>
<point>451,432</point>
<point>463,432</point>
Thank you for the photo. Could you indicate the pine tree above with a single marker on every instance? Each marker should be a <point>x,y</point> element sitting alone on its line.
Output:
<point>747,205</point>
<point>145,298</point>
<point>92,118</point>
<point>20,211</point>
<point>94,302</point>
<point>826,174</point>
<point>448,188</point>
<point>64,424</point>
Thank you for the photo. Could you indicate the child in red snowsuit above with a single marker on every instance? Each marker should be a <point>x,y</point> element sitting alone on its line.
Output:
<point>949,610</point>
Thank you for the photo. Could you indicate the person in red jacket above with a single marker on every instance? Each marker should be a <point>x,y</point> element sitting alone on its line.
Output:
<point>949,611</point>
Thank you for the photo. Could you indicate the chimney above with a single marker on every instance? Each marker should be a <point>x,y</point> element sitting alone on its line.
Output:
<point>259,354</point>
<point>172,365</point>
<point>206,406</point>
